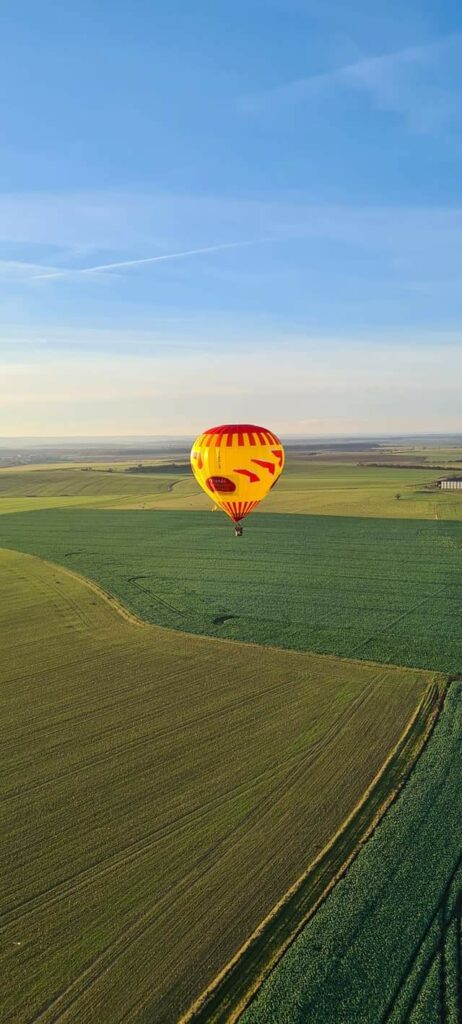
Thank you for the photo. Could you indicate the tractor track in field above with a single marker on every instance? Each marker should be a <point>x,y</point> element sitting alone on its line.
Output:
<point>143,741</point>
<point>142,846</point>
<point>154,597</point>
<point>145,844</point>
<point>441,919</point>
<point>125,855</point>
<point>163,904</point>
<point>399,618</point>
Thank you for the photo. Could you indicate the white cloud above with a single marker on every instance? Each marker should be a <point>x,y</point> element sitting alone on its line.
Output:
<point>366,70</point>
<point>414,82</point>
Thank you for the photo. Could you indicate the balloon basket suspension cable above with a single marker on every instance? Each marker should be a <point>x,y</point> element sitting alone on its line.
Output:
<point>238,529</point>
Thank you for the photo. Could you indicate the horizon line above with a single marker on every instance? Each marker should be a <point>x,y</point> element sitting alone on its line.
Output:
<point>120,438</point>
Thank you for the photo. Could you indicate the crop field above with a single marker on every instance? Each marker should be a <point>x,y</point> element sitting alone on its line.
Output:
<point>308,486</point>
<point>24,489</point>
<point>386,945</point>
<point>159,792</point>
<point>379,590</point>
<point>340,489</point>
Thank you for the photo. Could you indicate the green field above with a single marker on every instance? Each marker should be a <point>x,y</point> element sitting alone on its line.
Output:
<point>82,486</point>
<point>380,590</point>
<point>315,488</point>
<point>159,792</point>
<point>307,486</point>
<point>385,946</point>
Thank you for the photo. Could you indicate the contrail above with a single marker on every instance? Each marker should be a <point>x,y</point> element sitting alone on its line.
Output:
<point>148,259</point>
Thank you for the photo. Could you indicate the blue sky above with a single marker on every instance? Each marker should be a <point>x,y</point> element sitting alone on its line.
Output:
<point>311,152</point>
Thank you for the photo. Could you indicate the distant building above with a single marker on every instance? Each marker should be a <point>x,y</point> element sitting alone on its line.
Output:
<point>451,483</point>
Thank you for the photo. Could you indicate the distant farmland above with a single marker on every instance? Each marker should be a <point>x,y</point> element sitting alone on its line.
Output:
<point>82,486</point>
<point>307,486</point>
<point>385,947</point>
<point>159,792</point>
<point>375,589</point>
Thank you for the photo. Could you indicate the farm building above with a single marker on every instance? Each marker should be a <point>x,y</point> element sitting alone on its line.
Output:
<point>451,483</point>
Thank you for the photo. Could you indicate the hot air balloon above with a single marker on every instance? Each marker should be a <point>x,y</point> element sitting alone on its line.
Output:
<point>236,465</point>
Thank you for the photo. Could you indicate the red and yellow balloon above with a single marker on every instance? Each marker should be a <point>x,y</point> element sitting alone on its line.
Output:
<point>236,465</point>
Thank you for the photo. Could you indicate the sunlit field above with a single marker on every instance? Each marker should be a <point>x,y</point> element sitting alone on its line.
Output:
<point>307,486</point>
<point>206,774</point>
<point>159,793</point>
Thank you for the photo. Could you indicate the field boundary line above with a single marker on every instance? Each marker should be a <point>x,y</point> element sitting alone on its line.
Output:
<point>227,1010</point>
<point>90,584</point>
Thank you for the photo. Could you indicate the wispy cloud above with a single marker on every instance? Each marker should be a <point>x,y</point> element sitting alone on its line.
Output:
<point>19,270</point>
<point>415,82</point>
<point>429,230</point>
<point>372,257</point>
<point>145,259</point>
<point>365,69</point>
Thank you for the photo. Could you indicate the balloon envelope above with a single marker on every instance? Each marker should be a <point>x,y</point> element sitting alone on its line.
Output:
<point>236,465</point>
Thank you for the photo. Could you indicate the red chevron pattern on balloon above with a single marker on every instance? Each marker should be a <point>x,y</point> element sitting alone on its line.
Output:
<point>270,466</point>
<point>278,456</point>
<point>253,478</point>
